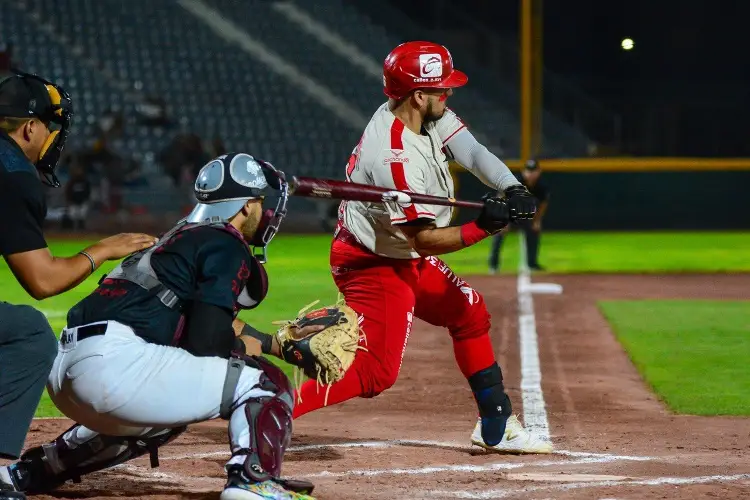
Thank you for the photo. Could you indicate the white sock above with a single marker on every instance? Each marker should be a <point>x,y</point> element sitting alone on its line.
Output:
<point>5,476</point>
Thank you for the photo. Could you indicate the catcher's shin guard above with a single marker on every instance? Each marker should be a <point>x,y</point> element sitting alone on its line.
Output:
<point>260,429</point>
<point>493,403</point>
<point>79,451</point>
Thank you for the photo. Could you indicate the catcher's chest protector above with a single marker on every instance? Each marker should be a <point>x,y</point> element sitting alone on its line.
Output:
<point>137,268</point>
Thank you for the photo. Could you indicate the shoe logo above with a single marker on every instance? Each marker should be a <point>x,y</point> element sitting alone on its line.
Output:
<point>509,435</point>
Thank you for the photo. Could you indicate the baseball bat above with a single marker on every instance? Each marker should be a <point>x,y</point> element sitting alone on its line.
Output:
<point>342,190</point>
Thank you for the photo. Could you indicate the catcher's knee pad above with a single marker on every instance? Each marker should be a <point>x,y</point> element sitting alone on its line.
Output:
<point>474,320</point>
<point>272,379</point>
<point>44,468</point>
<point>493,403</point>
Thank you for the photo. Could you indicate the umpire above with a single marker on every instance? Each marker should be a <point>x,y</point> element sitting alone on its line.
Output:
<point>35,118</point>
<point>530,177</point>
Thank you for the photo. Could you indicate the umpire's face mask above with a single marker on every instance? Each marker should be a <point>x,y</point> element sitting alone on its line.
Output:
<point>40,99</point>
<point>58,122</point>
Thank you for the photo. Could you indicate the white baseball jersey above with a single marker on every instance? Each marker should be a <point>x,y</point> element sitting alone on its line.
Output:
<point>392,156</point>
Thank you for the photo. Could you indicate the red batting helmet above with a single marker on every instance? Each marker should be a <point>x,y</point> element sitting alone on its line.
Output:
<point>414,65</point>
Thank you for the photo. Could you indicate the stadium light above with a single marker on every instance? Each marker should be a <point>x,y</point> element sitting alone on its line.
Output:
<point>627,44</point>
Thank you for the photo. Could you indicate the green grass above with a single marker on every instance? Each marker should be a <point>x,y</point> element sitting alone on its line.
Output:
<point>299,272</point>
<point>694,354</point>
<point>625,252</point>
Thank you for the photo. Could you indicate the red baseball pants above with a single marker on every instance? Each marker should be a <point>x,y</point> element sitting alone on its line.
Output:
<point>388,294</point>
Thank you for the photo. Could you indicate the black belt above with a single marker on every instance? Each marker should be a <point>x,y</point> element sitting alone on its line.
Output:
<point>84,332</point>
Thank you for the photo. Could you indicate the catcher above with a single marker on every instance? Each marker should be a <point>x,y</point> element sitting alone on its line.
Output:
<point>157,347</point>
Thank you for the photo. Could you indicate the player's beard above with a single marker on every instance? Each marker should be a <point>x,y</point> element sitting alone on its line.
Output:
<point>431,115</point>
<point>250,225</point>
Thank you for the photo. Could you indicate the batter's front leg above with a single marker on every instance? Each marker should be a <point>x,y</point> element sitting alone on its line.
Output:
<point>444,299</point>
<point>385,305</point>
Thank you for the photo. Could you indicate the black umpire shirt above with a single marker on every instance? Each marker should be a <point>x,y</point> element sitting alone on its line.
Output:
<point>539,190</point>
<point>23,206</point>
<point>203,265</point>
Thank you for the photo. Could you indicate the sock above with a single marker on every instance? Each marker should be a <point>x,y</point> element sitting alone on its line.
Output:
<point>473,354</point>
<point>493,403</point>
<point>5,477</point>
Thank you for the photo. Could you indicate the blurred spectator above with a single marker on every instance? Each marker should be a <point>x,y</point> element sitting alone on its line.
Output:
<point>217,147</point>
<point>181,160</point>
<point>109,168</point>
<point>6,57</point>
<point>111,126</point>
<point>152,111</point>
<point>77,197</point>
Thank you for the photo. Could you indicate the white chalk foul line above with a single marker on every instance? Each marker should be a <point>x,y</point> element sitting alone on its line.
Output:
<point>470,468</point>
<point>432,469</point>
<point>534,410</point>
<point>657,481</point>
<point>420,443</point>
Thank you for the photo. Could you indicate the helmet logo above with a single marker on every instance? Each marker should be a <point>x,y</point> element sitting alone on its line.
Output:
<point>430,65</point>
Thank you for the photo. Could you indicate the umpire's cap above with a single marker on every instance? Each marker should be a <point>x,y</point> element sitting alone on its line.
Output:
<point>229,181</point>
<point>531,164</point>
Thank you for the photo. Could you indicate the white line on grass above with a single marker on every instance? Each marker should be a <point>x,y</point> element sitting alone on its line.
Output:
<point>534,411</point>
<point>657,481</point>
<point>54,313</point>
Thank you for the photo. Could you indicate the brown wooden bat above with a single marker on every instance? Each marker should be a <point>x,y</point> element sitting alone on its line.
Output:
<point>342,190</point>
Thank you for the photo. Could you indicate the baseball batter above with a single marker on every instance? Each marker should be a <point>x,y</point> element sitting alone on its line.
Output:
<point>157,347</point>
<point>384,255</point>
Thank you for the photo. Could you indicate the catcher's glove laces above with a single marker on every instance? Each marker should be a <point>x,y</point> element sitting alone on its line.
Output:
<point>324,356</point>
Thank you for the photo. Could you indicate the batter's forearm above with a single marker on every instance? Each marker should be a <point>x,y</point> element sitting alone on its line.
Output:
<point>438,241</point>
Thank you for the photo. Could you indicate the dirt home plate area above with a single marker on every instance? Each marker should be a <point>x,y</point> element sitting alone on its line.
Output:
<point>613,438</point>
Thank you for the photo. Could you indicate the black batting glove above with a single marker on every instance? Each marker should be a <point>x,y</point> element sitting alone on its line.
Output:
<point>522,204</point>
<point>495,214</point>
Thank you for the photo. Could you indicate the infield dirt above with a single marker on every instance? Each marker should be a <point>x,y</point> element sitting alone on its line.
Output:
<point>613,437</point>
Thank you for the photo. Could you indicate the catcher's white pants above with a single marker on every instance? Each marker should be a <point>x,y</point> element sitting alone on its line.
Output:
<point>118,384</point>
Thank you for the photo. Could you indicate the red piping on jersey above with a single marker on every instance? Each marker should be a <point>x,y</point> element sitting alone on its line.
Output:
<point>428,215</point>
<point>459,129</point>
<point>397,167</point>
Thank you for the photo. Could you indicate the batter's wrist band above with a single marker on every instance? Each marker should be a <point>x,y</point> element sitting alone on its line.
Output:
<point>91,259</point>
<point>471,233</point>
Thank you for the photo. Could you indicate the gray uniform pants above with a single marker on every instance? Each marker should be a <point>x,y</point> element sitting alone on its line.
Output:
<point>28,348</point>
<point>532,246</point>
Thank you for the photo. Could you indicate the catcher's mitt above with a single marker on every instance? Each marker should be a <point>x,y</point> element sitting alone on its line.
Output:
<point>325,355</point>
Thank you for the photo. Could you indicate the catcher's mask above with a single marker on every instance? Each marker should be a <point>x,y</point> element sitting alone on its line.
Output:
<point>229,181</point>
<point>24,95</point>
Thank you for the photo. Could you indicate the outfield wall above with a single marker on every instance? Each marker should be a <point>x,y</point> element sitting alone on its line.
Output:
<point>587,194</point>
<point>600,194</point>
